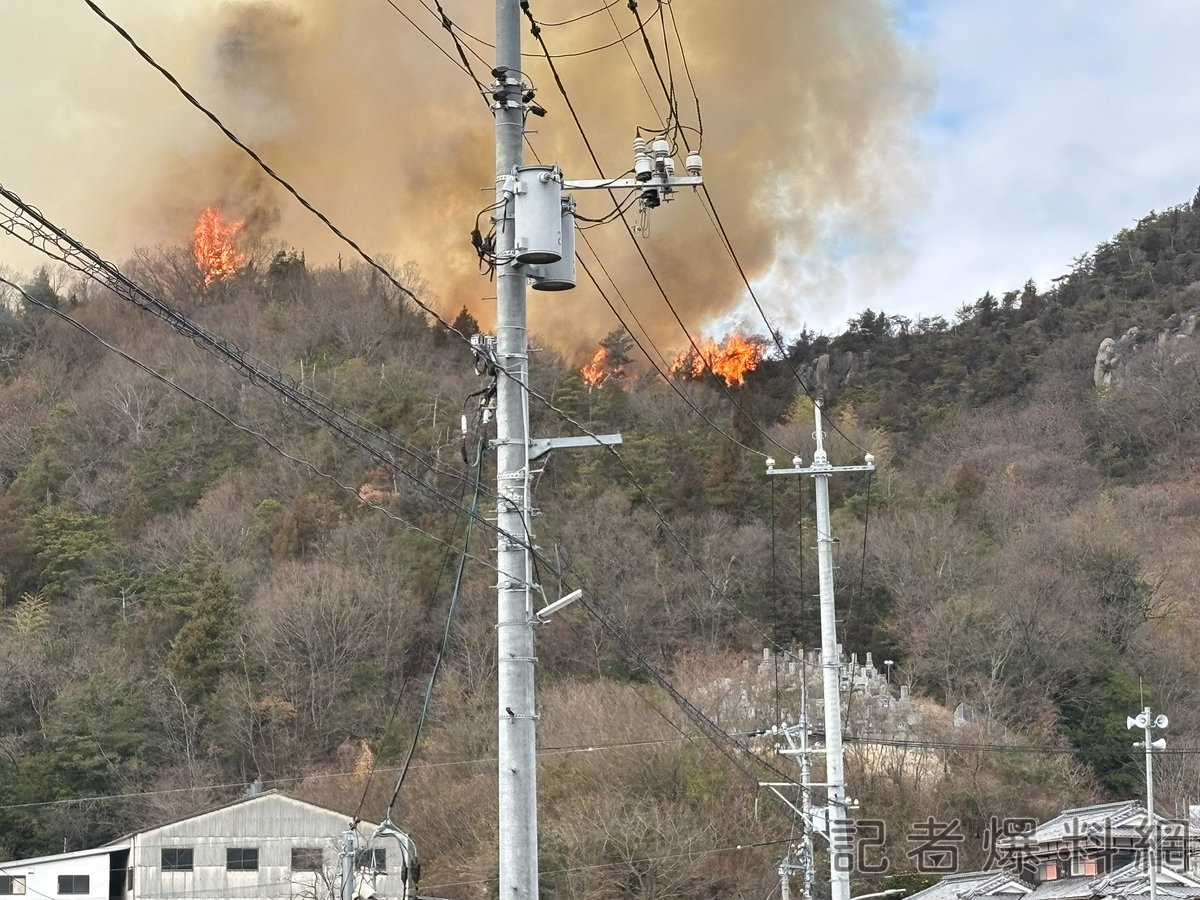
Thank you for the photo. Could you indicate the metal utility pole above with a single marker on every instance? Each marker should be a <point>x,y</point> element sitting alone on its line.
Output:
<point>1147,722</point>
<point>517,766</point>
<point>804,848</point>
<point>834,821</point>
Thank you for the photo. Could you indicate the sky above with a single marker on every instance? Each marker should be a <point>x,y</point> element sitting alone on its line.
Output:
<point>1054,124</point>
<point>1037,129</point>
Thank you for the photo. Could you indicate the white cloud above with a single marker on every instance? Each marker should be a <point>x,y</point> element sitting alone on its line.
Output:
<point>1056,124</point>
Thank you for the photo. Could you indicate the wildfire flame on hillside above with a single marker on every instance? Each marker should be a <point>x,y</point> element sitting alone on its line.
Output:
<point>216,256</point>
<point>593,373</point>
<point>731,360</point>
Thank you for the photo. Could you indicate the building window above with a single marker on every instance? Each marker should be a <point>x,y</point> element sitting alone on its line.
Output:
<point>1050,872</point>
<point>375,860</point>
<point>73,884</point>
<point>11,885</point>
<point>241,859</point>
<point>1084,866</point>
<point>177,859</point>
<point>307,859</point>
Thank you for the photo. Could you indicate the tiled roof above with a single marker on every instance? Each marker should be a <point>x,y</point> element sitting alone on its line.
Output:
<point>969,886</point>
<point>1076,824</point>
<point>1063,889</point>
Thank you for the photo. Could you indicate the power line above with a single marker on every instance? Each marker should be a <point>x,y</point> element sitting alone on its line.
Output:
<point>249,151</point>
<point>452,609</point>
<point>567,750</point>
<point>644,859</point>
<point>688,73</point>
<point>461,66</point>
<point>605,8</point>
<point>636,70</point>
<point>654,276</point>
<point>668,92</point>
<point>341,235</point>
<point>621,39</point>
<point>56,243</point>
<point>257,435</point>
<point>625,466</point>
<point>724,235</point>
<point>718,225</point>
<point>674,386</point>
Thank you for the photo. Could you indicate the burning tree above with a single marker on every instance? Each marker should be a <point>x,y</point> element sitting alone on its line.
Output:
<point>610,359</point>
<point>732,359</point>
<point>213,247</point>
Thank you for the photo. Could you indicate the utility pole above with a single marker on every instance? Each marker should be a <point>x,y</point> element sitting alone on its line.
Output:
<point>517,767</point>
<point>1147,722</point>
<point>804,848</point>
<point>535,240</point>
<point>346,863</point>
<point>834,820</point>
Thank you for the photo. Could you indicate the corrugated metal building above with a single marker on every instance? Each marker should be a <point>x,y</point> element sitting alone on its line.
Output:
<point>265,846</point>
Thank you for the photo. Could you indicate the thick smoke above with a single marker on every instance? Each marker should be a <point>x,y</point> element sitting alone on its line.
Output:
<point>808,108</point>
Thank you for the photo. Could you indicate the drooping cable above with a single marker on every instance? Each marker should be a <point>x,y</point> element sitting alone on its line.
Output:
<point>366,257</point>
<point>461,66</point>
<point>451,611</point>
<point>325,220</point>
<point>717,380</point>
<point>862,571</point>
<point>668,92</point>
<point>31,227</point>
<point>688,74</point>
<point>574,54</point>
<point>229,420</point>
<point>605,8</point>
<point>724,235</point>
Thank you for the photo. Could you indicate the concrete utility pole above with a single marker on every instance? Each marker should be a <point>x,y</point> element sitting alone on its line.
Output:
<point>517,767</point>
<point>836,815</point>
<point>346,863</point>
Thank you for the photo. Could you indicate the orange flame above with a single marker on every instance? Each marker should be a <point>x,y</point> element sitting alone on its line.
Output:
<point>732,360</point>
<point>216,257</point>
<point>593,373</point>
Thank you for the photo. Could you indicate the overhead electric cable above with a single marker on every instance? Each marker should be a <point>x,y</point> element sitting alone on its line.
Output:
<point>31,227</point>
<point>245,429</point>
<point>607,6</point>
<point>387,275</point>
<point>461,66</point>
<point>720,382</point>
<point>621,39</point>
<point>680,855</point>
<point>691,84</point>
<point>451,611</point>
<point>669,92</point>
<point>450,329</point>
<point>720,226</point>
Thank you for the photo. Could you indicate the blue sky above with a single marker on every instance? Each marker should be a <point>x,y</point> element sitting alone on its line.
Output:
<point>1055,123</point>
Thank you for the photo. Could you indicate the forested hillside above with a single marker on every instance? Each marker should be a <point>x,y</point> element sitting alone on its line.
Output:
<point>199,594</point>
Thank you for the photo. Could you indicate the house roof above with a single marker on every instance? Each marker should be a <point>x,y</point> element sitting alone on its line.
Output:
<point>1064,889</point>
<point>1122,818</point>
<point>973,885</point>
<point>255,798</point>
<point>1134,879</point>
<point>15,864</point>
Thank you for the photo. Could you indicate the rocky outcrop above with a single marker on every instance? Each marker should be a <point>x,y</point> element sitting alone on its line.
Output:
<point>829,372</point>
<point>1114,356</point>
